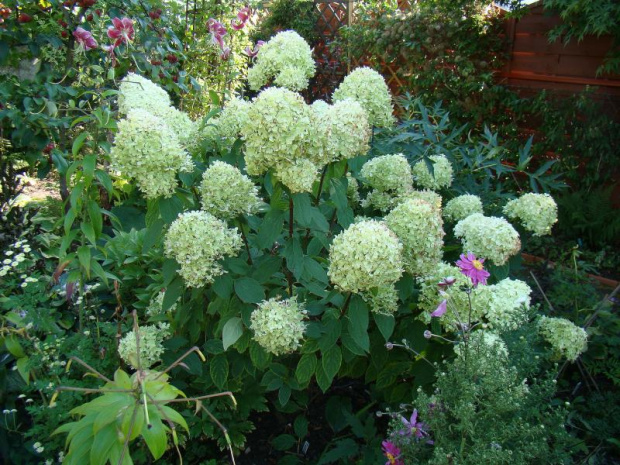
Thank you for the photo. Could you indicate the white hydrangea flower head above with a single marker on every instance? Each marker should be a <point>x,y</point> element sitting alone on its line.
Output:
<point>427,195</point>
<point>227,193</point>
<point>383,300</point>
<point>139,93</point>
<point>298,176</point>
<point>379,200</point>
<point>278,325</point>
<point>537,212</point>
<point>146,149</point>
<point>365,256</point>
<point>506,304</point>
<point>232,118</point>
<point>442,173</point>
<point>388,173</point>
<point>369,89</point>
<point>567,339</point>
<point>151,348</point>
<point>286,59</point>
<point>346,129</point>
<point>280,133</point>
<point>488,237</point>
<point>431,295</point>
<point>419,226</point>
<point>353,189</point>
<point>197,240</point>
<point>156,305</point>
<point>320,106</point>
<point>461,207</point>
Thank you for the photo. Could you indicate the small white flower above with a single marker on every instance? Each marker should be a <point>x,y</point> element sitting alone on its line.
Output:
<point>7,261</point>
<point>8,253</point>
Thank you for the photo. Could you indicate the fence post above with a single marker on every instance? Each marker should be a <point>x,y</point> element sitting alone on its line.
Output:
<point>349,23</point>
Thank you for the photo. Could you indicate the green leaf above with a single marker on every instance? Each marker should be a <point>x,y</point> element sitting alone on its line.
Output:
<point>232,331</point>
<point>14,347</point>
<point>88,164</point>
<point>169,270</point>
<point>219,370</point>
<point>294,257</point>
<point>270,229</point>
<point>173,292</point>
<point>103,441</point>
<point>78,142</point>
<point>104,179</point>
<point>302,209</point>
<point>331,361</point>
<point>96,218</point>
<point>22,368</point>
<point>259,356</point>
<point>357,323</point>
<point>301,426</point>
<point>386,324</point>
<point>344,449</point>
<point>155,434</point>
<point>84,257</point>
<point>332,332</point>
<point>322,379</point>
<point>283,442</point>
<point>122,379</point>
<point>306,368</point>
<point>249,290</point>
<point>223,286</point>
<point>284,394</point>
<point>170,208</point>
<point>174,416</point>
<point>89,232</point>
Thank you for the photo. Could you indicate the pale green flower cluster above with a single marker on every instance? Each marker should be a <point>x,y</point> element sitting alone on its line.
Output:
<point>428,196</point>
<point>353,189</point>
<point>366,257</point>
<point>369,89</point>
<point>278,325</point>
<point>146,149</point>
<point>151,348</point>
<point>461,207</point>
<point>345,128</point>
<point>488,237</point>
<point>156,305</point>
<point>229,122</point>
<point>227,193</point>
<point>197,240</point>
<point>138,93</point>
<point>566,339</point>
<point>431,295</point>
<point>383,300</point>
<point>506,303</point>
<point>442,173</point>
<point>286,59</point>
<point>390,177</point>
<point>420,228</point>
<point>537,212</point>
<point>281,134</point>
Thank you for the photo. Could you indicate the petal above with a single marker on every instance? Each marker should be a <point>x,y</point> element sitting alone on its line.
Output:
<point>118,23</point>
<point>414,417</point>
<point>441,309</point>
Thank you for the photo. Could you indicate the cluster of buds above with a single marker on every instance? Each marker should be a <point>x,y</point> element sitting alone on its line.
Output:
<point>155,14</point>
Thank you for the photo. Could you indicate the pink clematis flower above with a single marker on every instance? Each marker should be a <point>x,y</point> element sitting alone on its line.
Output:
<point>242,17</point>
<point>218,31</point>
<point>473,268</point>
<point>442,308</point>
<point>253,52</point>
<point>392,453</point>
<point>85,39</point>
<point>122,31</point>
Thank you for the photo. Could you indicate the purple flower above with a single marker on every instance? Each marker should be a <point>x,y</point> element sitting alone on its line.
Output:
<point>392,453</point>
<point>473,268</point>
<point>121,31</point>
<point>218,31</point>
<point>447,282</point>
<point>85,38</point>
<point>242,17</point>
<point>441,309</point>
<point>253,52</point>
<point>413,426</point>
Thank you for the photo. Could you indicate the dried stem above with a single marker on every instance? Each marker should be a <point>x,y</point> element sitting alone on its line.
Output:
<point>542,292</point>
<point>180,359</point>
<point>87,366</point>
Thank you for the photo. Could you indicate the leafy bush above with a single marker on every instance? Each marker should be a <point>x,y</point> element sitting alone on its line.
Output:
<point>300,16</point>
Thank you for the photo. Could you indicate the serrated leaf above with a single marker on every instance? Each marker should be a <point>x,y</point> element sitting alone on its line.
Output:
<point>283,442</point>
<point>173,292</point>
<point>386,324</point>
<point>301,426</point>
<point>249,290</point>
<point>259,356</point>
<point>284,394</point>
<point>232,331</point>
<point>218,370</point>
<point>331,361</point>
<point>306,368</point>
<point>357,322</point>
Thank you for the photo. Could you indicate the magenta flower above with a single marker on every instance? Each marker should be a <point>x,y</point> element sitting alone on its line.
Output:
<point>447,282</point>
<point>442,308</point>
<point>392,453</point>
<point>109,49</point>
<point>85,39</point>
<point>253,52</point>
<point>218,31</point>
<point>473,268</point>
<point>122,31</point>
<point>225,53</point>
<point>242,17</point>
